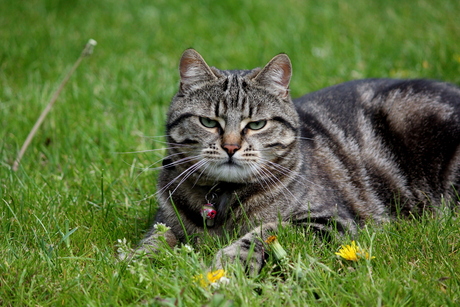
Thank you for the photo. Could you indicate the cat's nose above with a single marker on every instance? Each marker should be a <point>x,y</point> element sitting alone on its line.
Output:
<point>231,148</point>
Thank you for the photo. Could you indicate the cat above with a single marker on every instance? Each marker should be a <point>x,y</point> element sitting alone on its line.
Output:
<point>244,158</point>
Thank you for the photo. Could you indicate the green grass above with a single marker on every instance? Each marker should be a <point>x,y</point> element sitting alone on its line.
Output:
<point>75,194</point>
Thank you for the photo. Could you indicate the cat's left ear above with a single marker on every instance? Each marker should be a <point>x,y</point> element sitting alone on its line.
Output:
<point>276,75</point>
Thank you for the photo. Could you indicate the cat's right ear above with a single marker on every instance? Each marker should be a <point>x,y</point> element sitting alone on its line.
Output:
<point>194,71</point>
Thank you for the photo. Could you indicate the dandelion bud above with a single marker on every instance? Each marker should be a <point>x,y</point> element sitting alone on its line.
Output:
<point>276,247</point>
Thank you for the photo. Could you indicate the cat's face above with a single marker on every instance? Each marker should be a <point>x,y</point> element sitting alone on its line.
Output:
<point>232,126</point>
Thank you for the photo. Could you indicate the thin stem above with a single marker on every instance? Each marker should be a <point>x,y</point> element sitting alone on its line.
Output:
<point>87,51</point>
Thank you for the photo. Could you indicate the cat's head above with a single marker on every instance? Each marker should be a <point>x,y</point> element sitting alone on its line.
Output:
<point>233,126</point>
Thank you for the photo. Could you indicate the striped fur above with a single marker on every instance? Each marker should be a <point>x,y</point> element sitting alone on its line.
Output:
<point>343,155</point>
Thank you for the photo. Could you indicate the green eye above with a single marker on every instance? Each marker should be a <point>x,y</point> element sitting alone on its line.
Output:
<point>257,125</point>
<point>208,123</point>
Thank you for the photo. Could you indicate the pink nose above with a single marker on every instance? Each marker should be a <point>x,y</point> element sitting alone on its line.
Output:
<point>231,148</point>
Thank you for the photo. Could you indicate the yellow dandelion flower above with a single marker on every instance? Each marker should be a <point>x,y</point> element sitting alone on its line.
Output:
<point>211,277</point>
<point>274,245</point>
<point>353,252</point>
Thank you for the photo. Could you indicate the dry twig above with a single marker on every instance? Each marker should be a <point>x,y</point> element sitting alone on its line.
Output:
<point>87,51</point>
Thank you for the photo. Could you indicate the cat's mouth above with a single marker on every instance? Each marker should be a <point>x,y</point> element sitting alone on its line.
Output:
<point>231,164</point>
<point>231,161</point>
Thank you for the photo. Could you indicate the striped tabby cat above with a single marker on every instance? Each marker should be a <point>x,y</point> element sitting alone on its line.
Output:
<point>243,156</point>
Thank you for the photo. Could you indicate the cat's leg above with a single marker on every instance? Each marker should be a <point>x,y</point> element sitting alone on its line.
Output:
<point>249,250</point>
<point>156,239</point>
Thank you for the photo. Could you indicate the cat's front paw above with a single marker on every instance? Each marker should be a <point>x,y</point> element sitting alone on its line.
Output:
<point>158,239</point>
<point>251,257</point>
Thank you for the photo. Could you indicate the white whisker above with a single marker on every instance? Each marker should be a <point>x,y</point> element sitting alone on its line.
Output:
<point>262,179</point>
<point>178,162</point>
<point>155,136</point>
<point>185,174</point>
<point>284,170</point>
<point>275,180</point>
<point>179,145</point>
<point>291,174</point>
<point>202,172</point>
<point>303,138</point>
<point>145,151</point>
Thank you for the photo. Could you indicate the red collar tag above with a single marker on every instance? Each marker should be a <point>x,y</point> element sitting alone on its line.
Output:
<point>208,212</point>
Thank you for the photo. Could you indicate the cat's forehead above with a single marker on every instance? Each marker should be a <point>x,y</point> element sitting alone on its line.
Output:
<point>238,72</point>
<point>236,96</point>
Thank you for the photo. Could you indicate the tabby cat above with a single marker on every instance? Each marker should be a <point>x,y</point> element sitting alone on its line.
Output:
<point>244,158</point>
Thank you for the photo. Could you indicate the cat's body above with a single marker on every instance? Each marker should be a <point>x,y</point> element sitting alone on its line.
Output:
<point>337,157</point>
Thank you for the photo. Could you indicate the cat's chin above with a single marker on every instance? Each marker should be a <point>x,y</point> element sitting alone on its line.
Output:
<point>231,173</point>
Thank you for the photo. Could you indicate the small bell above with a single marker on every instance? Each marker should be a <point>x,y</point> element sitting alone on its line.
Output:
<point>208,212</point>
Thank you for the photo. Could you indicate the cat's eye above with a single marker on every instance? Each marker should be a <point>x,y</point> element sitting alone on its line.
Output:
<point>208,123</point>
<point>257,125</point>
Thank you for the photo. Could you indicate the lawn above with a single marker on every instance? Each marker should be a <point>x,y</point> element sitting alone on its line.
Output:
<point>85,186</point>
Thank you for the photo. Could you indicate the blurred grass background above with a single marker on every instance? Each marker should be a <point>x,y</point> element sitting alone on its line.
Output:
<point>76,194</point>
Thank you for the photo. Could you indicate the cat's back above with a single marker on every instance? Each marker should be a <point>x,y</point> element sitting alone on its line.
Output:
<point>392,102</point>
<point>385,137</point>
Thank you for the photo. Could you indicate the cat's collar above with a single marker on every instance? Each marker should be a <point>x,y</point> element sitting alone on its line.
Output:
<point>208,211</point>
